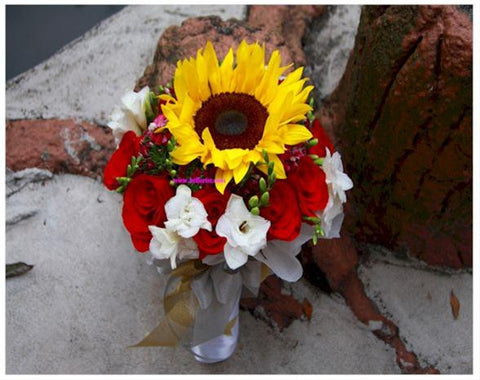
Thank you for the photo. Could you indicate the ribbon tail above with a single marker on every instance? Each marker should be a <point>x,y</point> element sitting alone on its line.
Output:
<point>180,306</point>
<point>229,326</point>
<point>162,335</point>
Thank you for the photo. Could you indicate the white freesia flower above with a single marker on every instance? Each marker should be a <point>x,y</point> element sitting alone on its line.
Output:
<point>130,115</point>
<point>246,233</point>
<point>339,181</point>
<point>332,217</point>
<point>280,255</point>
<point>186,214</point>
<point>167,244</point>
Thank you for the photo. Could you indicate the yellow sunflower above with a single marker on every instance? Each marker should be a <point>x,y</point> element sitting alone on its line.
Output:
<point>227,114</point>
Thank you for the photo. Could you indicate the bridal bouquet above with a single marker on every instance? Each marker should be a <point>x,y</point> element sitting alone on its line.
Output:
<point>225,173</point>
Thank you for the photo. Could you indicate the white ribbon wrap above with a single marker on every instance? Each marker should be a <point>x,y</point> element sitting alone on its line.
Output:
<point>218,292</point>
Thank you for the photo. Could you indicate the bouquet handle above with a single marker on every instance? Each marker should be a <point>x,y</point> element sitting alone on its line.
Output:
<point>221,347</point>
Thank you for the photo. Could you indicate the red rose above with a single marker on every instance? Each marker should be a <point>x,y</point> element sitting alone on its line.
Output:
<point>283,212</point>
<point>121,158</point>
<point>144,205</point>
<point>208,242</point>
<point>309,183</point>
<point>323,141</point>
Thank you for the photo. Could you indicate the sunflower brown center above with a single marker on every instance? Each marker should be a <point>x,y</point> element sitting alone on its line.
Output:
<point>235,120</point>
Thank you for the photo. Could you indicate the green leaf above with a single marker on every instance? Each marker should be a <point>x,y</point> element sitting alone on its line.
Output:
<point>17,269</point>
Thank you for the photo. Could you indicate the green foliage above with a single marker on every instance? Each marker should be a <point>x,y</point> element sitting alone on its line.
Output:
<point>159,156</point>
<point>318,228</point>
<point>131,169</point>
<point>311,143</point>
<point>310,114</point>
<point>151,107</point>
<point>264,186</point>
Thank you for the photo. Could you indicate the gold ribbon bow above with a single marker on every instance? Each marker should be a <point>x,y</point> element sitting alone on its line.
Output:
<point>181,305</point>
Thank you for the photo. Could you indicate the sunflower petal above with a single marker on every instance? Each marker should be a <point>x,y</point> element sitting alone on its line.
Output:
<point>167,98</point>
<point>187,152</point>
<point>303,95</point>
<point>226,71</point>
<point>294,76</point>
<point>294,112</point>
<point>211,61</point>
<point>188,109</point>
<point>279,170</point>
<point>222,178</point>
<point>265,92</point>
<point>240,171</point>
<point>234,157</point>
<point>295,134</point>
<point>202,71</point>
<point>250,68</point>
<point>271,146</point>
<point>214,155</point>
<point>192,80</point>
<point>179,84</point>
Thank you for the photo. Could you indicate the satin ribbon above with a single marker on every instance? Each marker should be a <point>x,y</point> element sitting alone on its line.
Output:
<point>221,347</point>
<point>180,306</point>
<point>201,308</point>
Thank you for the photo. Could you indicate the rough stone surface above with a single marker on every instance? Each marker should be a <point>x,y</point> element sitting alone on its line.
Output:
<point>337,261</point>
<point>402,119</point>
<point>276,304</point>
<point>59,146</point>
<point>423,301</point>
<point>281,27</point>
<point>90,296</point>
<point>16,181</point>
<point>87,78</point>
<point>328,46</point>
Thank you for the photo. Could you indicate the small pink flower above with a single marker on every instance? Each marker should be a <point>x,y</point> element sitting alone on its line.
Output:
<point>160,121</point>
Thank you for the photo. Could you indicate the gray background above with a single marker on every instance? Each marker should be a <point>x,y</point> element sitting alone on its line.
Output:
<point>35,32</point>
